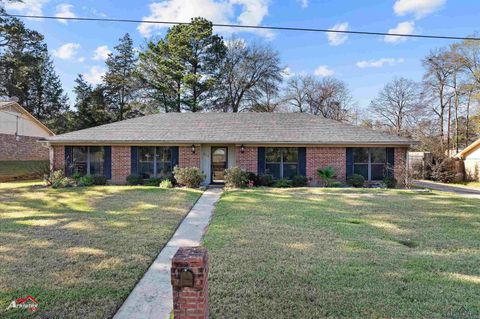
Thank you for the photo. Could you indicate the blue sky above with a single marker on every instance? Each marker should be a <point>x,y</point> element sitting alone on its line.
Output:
<point>365,63</point>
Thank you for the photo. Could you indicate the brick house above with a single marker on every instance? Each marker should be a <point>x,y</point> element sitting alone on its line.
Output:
<point>280,144</point>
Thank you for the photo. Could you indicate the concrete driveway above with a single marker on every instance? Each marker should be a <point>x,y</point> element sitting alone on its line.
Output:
<point>460,190</point>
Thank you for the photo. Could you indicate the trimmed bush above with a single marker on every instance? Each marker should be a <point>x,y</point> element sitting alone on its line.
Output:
<point>57,179</point>
<point>134,179</point>
<point>188,176</point>
<point>390,182</point>
<point>252,178</point>
<point>335,184</point>
<point>99,180</point>
<point>356,180</point>
<point>283,183</point>
<point>86,180</point>
<point>153,181</point>
<point>235,177</point>
<point>299,181</point>
<point>265,180</point>
<point>166,183</point>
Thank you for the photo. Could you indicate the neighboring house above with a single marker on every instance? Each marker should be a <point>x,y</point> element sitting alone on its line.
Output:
<point>281,144</point>
<point>19,132</point>
<point>471,160</point>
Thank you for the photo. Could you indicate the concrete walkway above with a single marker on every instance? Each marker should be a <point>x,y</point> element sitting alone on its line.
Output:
<point>460,190</point>
<point>152,296</point>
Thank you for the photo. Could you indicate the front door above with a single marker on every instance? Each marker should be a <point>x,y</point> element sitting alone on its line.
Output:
<point>219,163</point>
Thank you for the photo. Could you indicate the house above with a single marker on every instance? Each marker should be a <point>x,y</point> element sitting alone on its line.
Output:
<point>471,160</point>
<point>19,132</point>
<point>280,144</point>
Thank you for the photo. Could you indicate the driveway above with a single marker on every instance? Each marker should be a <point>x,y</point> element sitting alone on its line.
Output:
<point>460,190</point>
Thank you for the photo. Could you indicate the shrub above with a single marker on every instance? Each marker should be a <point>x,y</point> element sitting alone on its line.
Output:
<point>86,180</point>
<point>152,181</point>
<point>283,183</point>
<point>299,181</point>
<point>335,184</point>
<point>134,179</point>
<point>99,180</point>
<point>188,176</point>
<point>356,180</point>
<point>76,177</point>
<point>444,171</point>
<point>252,178</point>
<point>235,177</point>
<point>265,180</point>
<point>390,182</point>
<point>166,183</point>
<point>326,174</point>
<point>57,179</point>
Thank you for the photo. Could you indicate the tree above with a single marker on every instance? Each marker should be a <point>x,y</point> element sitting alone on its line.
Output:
<point>250,77</point>
<point>397,105</point>
<point>330,98</point>
<point>298,90</point>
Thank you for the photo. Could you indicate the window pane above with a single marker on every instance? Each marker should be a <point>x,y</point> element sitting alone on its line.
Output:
<point>96,160</point>
<point>378,171</point>
<point>290,170</point>
<point>290,154</point>
<point>164,161</point>
<point>360,155</point>
<point>361,169</point>
<point>164,154</point>
<point>378,155</point>
<point>79,160</point>
<point>273,169</point>
<point>272,155</point>
<point>145,161</point>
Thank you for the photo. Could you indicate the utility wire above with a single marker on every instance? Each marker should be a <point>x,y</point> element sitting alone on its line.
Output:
<point>432,36</point>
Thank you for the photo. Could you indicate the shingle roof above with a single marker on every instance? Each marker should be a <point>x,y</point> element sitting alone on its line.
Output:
<point>268,128</point>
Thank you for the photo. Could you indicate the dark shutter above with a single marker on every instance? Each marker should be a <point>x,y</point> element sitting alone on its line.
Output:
<point>349,161</point>
<point>134,160</point>
<point>302,161</point>
<point>174,156</point>
<point>107,162</point>
<point>261,161</point>
<point>390,161</point>
<point>68,161</point>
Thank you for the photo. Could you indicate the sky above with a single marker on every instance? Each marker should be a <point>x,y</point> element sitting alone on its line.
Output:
<point>365,63</point>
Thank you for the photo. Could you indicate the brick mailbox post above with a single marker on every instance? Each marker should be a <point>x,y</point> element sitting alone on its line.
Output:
<point>189,275</point>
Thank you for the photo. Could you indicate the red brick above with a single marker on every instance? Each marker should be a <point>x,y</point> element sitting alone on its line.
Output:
<point>187,158</point>
<point>121,167</point>
<point>25,149</point>
<point>321,157</point>
<point>248,160</point>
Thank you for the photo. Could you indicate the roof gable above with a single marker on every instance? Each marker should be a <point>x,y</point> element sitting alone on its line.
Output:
<point>17,107</point>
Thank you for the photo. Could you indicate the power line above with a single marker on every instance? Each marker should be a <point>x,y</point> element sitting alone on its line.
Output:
<point>431,36</point>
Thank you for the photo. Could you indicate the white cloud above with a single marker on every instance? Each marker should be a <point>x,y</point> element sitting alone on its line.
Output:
<point>323,70</point>
<point>249,12</point>
<point>335,39</point>
<point>420,8</point>
<point>101,53</point>
<point>287,73</point>
<point>304,3</point>
<point>379,63</point>
<point>81,59</point>
<point>406,27</point>
<point>28,7</point>
<point>65,10</point>
<point>94,75</point>
<point>66,51</point>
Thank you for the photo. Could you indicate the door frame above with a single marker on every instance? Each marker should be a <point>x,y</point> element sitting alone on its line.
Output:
<point>211,161</point>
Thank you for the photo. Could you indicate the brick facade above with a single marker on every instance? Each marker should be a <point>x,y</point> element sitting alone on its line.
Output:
<point>25,149</point>
<point>58,157</point>
<point>400,161</point>
<point>188,159</point>
<point>248,160</point>
<point>320,157</point>
<point>121,164</point>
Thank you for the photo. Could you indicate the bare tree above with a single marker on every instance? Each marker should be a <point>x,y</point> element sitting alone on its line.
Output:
<point>330,98</point>
<point>298,91</point>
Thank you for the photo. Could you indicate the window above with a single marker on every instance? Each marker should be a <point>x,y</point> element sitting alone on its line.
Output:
<point>88,160</point>
<point>370,162</point>
<point>154,161</point>
<point>281,162</point>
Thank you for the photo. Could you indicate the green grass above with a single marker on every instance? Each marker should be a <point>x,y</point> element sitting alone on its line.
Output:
<point>80,251</point>
<point>469,184</point>
<point>344,253</point>
<point>21,169</point>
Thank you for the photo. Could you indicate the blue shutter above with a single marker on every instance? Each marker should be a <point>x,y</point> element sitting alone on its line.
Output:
<point>261,160</point>
<point>302,161</point>
<point>174,156</point>
<point>68,160</point>
<point>107,162</point>
<point>134,160</point>
<point>349,161</point>
<point>390,161</point>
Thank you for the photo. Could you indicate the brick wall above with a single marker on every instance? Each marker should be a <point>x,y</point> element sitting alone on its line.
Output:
<point>400,164</point>
<point>320,157</point>
<point>188,159</point>
<point>26,149</point>
<point>121,164</point>
<point>247,161</point>
<point>58,157</point>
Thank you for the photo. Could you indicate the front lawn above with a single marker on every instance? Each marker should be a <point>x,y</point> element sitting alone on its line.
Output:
<point>80,251</point>
<point>342,253</point>
<point>469,184</point>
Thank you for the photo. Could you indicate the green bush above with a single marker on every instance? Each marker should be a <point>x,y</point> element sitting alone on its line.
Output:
<point>335,184</point>
<point>152,181</point>
<point>134,179</point>
<point>326,174</point>
<point>299,181</point>
<point>188,176</point>
<point>265,180</point>
<point>235,177</point>
<point>356,180</point>
<point>99,180</point>
<point>57,179</point>
<point>252,178</point>
<point>283,183</point>
<point>76,177</point>
<point>390,182</point>
<point>86,180</point>
<point>166,183</point>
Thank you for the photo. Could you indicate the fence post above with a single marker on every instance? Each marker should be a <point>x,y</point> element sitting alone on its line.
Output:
<point>189,275</point>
